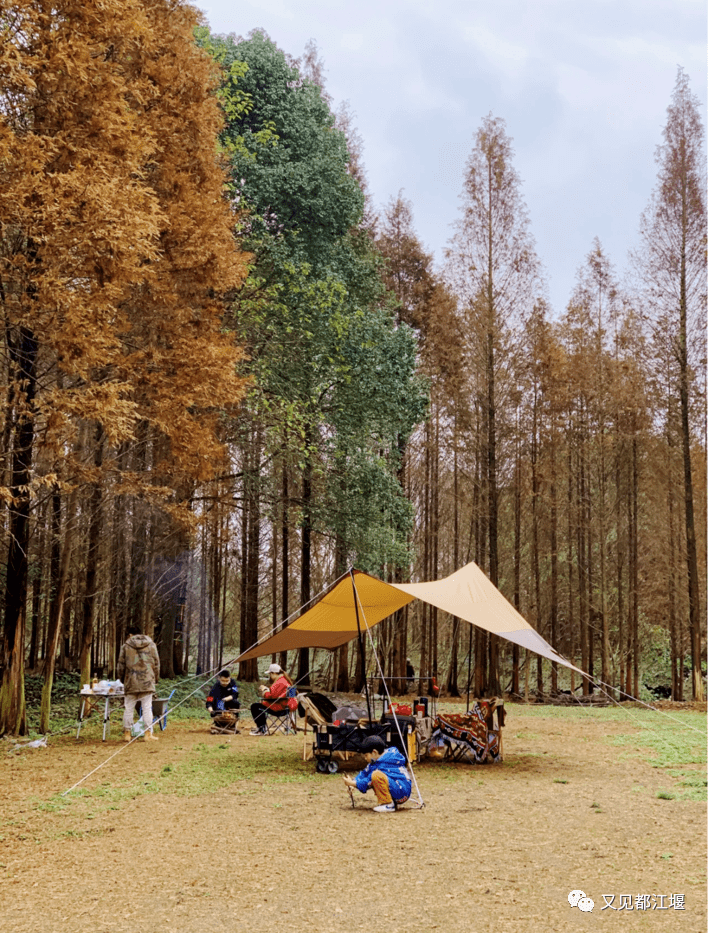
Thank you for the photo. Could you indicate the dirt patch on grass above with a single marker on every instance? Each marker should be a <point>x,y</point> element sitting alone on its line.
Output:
<point>206,833</point>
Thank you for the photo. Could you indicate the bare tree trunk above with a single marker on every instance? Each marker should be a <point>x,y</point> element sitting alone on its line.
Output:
<point>435,550</point>
<point>535,541</point>
<point>620,496</point>
<point>37,583</point>
<point>303,660</point>
<point>676,656</point>
<point>602,609</point>
<point>92,554</point>
<point>452,687</point>
<point>629,651</point>
<point>481,516</point>
<point>23,353</point>
<point>582,565</point>
<point>515,686</point>
<point>554,561</point>
<point>285,551</point>
<point>341,666</point>
<point>55,615</point>
<point>635,562</point>
<point>694,602</point>
<point>424,672</point>
<point>249,669</point>
<point>571,538</point>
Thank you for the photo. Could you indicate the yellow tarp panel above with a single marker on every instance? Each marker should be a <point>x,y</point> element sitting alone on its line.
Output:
<point>331,622</point>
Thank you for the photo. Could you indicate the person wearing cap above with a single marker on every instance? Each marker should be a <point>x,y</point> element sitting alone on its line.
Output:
<point>274,698</point>
<point>385,772</point>
<point>223,696</point>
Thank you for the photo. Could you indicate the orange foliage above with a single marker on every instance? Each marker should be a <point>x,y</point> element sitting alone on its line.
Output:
<point>116,243</point>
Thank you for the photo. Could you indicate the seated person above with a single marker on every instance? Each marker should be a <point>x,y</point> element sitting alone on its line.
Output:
<point>410,675</point>
<point>385,771</point>
<point>275,698</point>
<point>223,699</point>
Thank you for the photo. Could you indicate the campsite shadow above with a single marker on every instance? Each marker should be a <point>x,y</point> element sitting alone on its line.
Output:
<point>538,762</point>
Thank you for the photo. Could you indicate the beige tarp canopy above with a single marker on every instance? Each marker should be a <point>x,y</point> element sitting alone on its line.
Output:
<point>468,594</point>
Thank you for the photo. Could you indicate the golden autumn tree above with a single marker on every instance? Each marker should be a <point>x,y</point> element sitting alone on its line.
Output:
<point>189,377</point>
<point>672,270</point>
<point>115,247</point>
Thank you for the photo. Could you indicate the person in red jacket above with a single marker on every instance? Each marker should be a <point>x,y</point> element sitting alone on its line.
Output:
<point>275,698</point>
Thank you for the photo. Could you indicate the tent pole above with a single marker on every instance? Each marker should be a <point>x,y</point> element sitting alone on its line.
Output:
<point>362,649</point>
<point>469,670</point>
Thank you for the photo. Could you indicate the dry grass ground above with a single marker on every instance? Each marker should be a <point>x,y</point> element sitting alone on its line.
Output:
<point>204,834</point>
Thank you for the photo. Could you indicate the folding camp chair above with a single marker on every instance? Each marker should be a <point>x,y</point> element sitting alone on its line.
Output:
<point>284,720</point>
<point>471,737</point>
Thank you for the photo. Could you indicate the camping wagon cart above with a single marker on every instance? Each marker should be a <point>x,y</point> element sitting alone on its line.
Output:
<point>333,744</point>
<point>337,734</point>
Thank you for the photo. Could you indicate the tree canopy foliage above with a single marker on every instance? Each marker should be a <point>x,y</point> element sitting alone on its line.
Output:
<point>228,376</point>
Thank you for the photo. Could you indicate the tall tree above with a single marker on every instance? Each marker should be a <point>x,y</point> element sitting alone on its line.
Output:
<point>595,306</point>
<point>68,149</point>
<point>494,269</point>
<point>332,369</point>
<point>672,266</point>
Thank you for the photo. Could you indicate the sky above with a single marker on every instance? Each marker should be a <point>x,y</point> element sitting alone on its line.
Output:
<point>583,88</point>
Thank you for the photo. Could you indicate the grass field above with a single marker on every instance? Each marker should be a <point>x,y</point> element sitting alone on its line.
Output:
<point>241,833</point>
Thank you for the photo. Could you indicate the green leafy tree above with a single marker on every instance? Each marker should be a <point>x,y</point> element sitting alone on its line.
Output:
<point>332,369</point>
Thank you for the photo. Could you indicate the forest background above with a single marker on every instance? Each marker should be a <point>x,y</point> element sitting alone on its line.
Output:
<point>229,376</point>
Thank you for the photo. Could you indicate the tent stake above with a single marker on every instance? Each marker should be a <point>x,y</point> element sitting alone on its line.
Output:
<point>361,645</point>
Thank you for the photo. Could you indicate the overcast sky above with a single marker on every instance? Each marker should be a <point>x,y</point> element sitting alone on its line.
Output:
<point>583,86</point>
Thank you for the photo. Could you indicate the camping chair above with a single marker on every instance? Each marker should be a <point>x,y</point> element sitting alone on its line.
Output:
<point>284,720</point>
<point>470,737</point>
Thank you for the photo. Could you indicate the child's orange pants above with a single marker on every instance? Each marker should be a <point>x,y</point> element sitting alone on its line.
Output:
<point>379,781</point>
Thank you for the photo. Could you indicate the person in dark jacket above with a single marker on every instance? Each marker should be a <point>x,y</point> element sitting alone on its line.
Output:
<point>385,772</point>
<point>223,696</point>
<point>139,669</point>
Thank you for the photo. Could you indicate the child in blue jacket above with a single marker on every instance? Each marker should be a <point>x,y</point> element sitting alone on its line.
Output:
<point>386,772</point>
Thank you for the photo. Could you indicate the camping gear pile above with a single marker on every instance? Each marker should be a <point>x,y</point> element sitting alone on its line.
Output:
<point>471,737</point>
<point>474,737</point>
